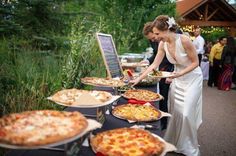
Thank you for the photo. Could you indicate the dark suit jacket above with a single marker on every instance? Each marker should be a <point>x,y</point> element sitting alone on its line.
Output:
<point>165,64</point>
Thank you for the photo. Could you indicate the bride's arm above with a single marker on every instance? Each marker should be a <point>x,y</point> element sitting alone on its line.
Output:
<point>192,55</point>
<point>159,57</point>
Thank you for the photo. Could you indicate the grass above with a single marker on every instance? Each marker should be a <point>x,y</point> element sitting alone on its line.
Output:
<point>28,76</point>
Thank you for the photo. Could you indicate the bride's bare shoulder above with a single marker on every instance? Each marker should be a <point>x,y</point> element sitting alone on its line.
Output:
<point>185,39</point>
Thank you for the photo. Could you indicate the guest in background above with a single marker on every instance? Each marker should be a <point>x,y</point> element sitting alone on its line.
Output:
<point>208,47</point>
<point>227,63</point>
<point>214,59</point>
<point>164,66</point>
<point>198,43</point>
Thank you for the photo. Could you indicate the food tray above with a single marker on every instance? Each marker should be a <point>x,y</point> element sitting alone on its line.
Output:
<point>113,99</point>
<point>161,114</point>
<point>158,99</point>
<point>164,75</point>
<point>92,124</point>
<point>168,146</point>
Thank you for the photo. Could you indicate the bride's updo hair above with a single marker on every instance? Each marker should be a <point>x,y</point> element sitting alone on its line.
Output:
<point>161,23</point>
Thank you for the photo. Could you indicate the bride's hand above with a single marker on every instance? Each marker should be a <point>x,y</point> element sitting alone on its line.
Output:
<point>134,82</point>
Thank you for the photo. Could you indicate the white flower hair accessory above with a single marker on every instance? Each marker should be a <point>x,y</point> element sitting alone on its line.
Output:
<point>171,22</point>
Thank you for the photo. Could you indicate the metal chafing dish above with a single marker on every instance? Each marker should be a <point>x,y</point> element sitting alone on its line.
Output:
<point>147,81</point>
<point>132,57</point>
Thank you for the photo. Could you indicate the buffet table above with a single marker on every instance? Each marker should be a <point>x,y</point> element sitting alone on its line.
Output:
<point>111,122</point>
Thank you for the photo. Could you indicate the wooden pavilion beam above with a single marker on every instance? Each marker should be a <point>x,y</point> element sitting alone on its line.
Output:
<point>224,13</point>
<point>212,14</point>
<point>206,13</point>
<point>198,13</point>
<point>192,16</point>
<point>208,23</point>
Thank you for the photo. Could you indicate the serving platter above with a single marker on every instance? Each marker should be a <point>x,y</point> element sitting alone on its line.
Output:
<point>163,74</point>
<point>102,82</point>
<point>159,96</point>
<point>92,125</point>
<point>168,147</point>
<point>87,105</point>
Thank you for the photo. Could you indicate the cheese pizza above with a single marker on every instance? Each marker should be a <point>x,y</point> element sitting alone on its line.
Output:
<point>143,95</point>
<point>81,97</point>
<point>127,142</point>
<point>102,81</point>
<point>136,112</point>
<point>35,128</point>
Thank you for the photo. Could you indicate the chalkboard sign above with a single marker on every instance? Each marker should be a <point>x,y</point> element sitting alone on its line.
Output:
<point>109,54</point>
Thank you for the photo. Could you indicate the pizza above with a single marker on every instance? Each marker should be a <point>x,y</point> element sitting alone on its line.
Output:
<point>127,142</point>
<point>81,97</point>
<point>133,64</point>
<point>156,73</point>
<point>125,88</point>
<point>140,94</point>
<point>102,81</point>
<point>136,112</point>
<point>42,127</point>
<point>161,74</point>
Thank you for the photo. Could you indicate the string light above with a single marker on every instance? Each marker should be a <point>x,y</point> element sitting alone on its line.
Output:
<point>188,28</point>
<point>207,30</point>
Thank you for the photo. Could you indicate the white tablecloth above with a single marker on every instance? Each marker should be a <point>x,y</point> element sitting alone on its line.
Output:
<point>205,70</point>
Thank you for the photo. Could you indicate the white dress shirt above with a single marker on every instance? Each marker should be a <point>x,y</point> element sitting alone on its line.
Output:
<point>199,42</point>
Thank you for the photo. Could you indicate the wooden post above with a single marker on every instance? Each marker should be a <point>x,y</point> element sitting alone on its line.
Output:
<point>232,31</point>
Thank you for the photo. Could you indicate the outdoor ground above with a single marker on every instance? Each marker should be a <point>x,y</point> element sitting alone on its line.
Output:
<point>217,134</point>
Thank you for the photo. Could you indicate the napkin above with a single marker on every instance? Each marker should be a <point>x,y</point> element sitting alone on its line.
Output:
<point>99,154</point>
<point>141,102</point>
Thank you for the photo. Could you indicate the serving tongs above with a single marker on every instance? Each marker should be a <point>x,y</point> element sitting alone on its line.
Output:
<point>146,126</point>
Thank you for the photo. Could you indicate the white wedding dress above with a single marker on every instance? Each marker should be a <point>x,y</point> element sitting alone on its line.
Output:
<point>185,104</point>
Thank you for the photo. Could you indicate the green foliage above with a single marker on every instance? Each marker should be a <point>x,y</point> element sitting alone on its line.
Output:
<point>83,59</point>
<point>27,78</point>
<point>7,25</point>
<point>215,35</point>
<point>125,19</point>
<point>34,17</point>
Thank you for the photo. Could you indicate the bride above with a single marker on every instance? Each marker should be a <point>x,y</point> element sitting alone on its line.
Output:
<point>185,95</point>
